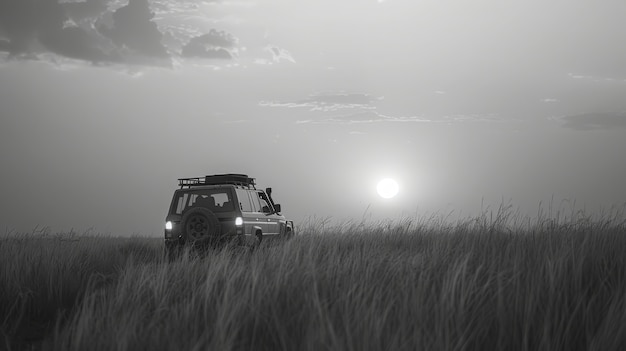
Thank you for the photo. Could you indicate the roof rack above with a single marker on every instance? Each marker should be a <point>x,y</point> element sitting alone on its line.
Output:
<point>218,179</point>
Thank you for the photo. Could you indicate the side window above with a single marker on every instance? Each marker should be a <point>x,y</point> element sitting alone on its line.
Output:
<point>244,200</point>
<point>181,204</point>
<point>185,201</point>
<point>256,206</point>
<point>265,205</point>
<point>192,199</point>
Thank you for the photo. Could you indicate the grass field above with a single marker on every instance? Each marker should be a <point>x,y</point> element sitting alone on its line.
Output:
<point>487,283</point>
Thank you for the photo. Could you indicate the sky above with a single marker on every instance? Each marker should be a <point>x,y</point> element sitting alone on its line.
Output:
<point>467,104</point>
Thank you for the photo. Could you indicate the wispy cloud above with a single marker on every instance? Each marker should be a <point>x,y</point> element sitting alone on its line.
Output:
<point>595,78</point>
<point>549,100</point>
<point>278,54</point>
<point>360,108</point>
<point>595,121</point>
<point>328,102</point>
<point>365,117</point>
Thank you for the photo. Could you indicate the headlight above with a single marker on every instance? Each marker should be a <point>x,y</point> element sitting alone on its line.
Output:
<point>238,221</point>
<point>168,225</point>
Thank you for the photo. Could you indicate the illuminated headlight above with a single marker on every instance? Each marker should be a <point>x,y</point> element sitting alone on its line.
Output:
<point>168,225</point>
<point>238,221</point>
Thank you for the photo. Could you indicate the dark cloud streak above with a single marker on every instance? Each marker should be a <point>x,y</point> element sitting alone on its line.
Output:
<point>79,11</point>
<point>134,29</point>
<point>5,45</point>
<point>23,21</point>
<point>34,26</point>
<point>75,42</point>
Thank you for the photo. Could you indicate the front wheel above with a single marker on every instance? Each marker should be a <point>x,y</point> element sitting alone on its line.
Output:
<point>288,235</point>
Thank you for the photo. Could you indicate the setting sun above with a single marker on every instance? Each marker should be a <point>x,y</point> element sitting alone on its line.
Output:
<point>387,188</point>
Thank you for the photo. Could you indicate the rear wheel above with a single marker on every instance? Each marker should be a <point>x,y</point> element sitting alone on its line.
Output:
<point>199,224</point>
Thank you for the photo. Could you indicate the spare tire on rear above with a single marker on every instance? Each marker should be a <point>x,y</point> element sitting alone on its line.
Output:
<point>199,224</point>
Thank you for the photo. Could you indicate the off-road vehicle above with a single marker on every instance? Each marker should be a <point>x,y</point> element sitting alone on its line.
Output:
<point>223,208</point>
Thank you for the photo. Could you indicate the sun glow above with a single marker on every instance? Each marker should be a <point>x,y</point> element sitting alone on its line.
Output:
<point>387,188</point>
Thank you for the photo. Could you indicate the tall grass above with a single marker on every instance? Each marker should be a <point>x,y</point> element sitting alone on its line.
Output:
<point>43,277</point>
<point>492,282</point>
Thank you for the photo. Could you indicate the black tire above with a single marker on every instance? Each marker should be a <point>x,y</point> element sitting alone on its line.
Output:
<point>200,224</point>
<point>286,235</point>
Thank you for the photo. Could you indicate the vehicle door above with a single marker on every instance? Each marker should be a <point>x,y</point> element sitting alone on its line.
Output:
<point>268,214</point>
<point>260,219</point>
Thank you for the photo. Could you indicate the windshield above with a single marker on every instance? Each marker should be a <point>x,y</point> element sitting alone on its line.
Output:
<point>216,200</point>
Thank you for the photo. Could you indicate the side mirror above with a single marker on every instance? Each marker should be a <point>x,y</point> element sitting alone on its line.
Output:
<point>277,207</point>
<point>266,209</point>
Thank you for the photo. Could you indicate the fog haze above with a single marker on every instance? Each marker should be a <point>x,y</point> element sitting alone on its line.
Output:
<point>104,104</point>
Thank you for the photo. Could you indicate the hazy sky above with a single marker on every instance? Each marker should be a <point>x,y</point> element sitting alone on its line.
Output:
<point>104,104</point>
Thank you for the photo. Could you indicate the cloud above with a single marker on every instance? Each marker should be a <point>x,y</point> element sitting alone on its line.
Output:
<point>360,117</point>
<point>178,6</point>
<point>84,10</point>
<point>209,53</point>
<point>134,29</point>
<point>78,43</point>
<point>5,45</point>
<point>135,32</point>
<point>82,30</point>
<point>24,20</point>
<point>596,78</point>
<point>595,121</point>
<point>360,108</point>
<point>214,44</point>
<point>218,39</point>
<point>279,54</point>
<point>363,118</point>
<point>343,99</point>
<point>328,102</point>
<point>31,27</point>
